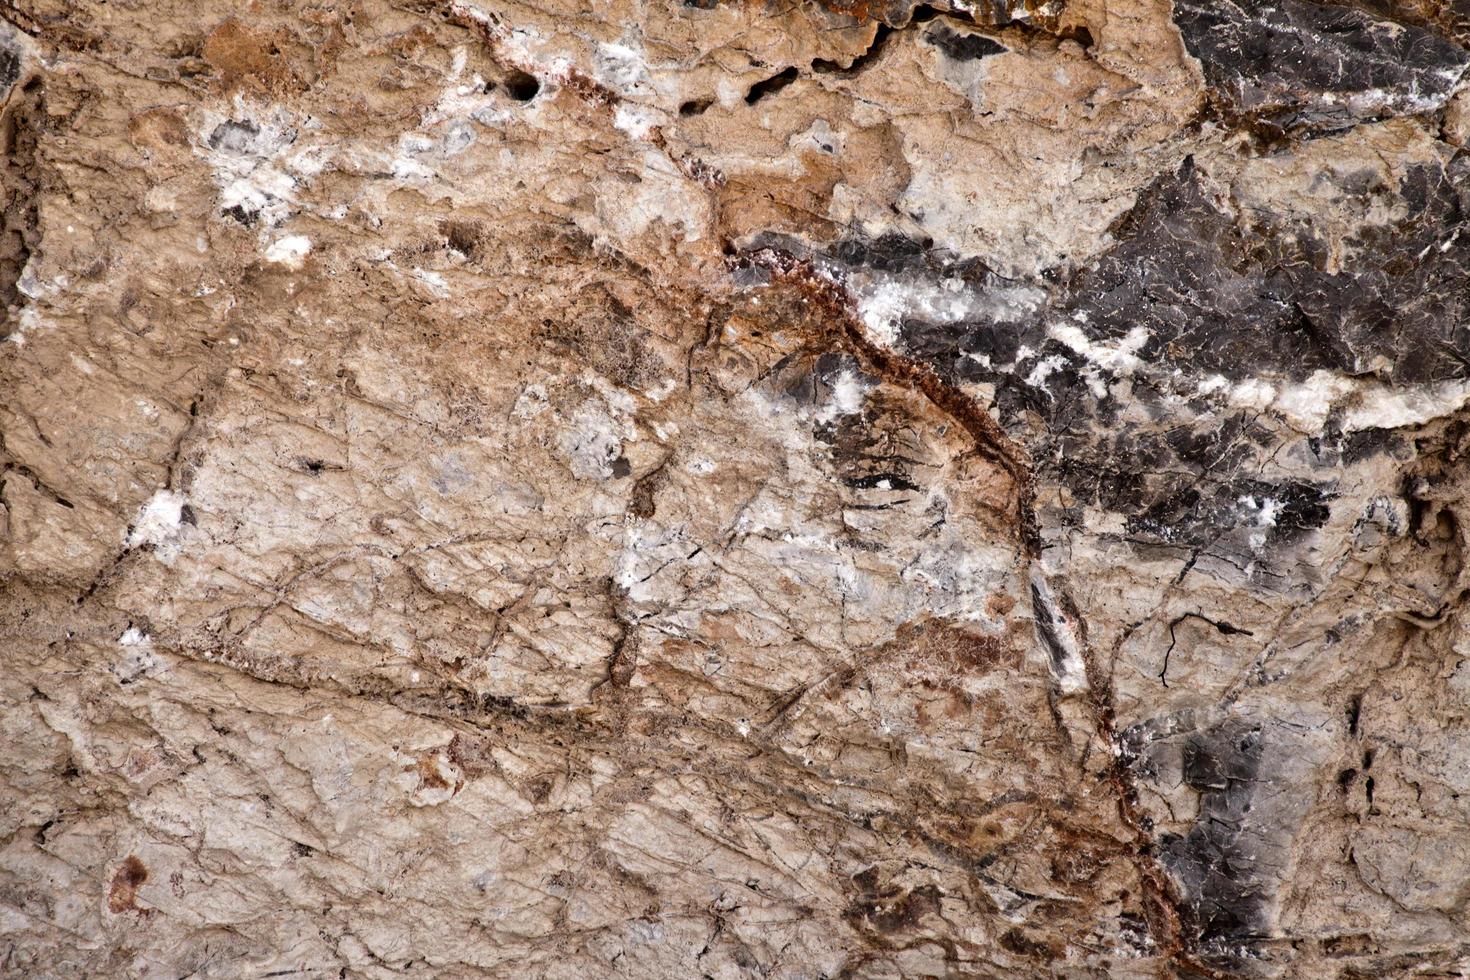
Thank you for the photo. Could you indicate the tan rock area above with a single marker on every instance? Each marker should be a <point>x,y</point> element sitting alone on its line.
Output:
<point>734,488</point>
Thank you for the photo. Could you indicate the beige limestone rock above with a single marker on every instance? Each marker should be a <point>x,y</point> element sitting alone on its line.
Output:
<point>482,493</point>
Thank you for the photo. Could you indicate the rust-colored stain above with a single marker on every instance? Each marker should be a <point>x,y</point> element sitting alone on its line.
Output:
<point>972,652</point>
<point>252,58</point>
<point>428,770</point>
<point>882,909</point>
<point>860,9</point>
<point>126,881</point>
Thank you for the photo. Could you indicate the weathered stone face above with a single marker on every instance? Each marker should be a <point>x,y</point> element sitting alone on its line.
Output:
<point>725,489</point>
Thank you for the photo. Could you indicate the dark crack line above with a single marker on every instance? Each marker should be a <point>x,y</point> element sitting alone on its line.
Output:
<point>990,440</point>
<point>1161,902</point>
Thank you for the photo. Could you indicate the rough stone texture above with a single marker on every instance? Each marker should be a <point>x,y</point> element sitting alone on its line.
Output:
<point>723,489</point>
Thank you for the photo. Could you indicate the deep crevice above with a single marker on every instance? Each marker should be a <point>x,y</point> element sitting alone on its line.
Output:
<point>862,61</point>
<point>770,86</point>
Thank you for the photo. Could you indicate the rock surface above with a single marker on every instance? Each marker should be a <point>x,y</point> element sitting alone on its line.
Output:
<point>723,489</point>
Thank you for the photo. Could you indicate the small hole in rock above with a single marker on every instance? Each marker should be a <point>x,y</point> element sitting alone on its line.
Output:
<point>522,86</point>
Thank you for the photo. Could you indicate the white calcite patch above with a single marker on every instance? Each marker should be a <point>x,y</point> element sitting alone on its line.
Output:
<point>257,163</point>
<point>1363,403</point>
<point>137,659</point>
<point>622,68</point>
<point>1060,638</point>
<point>846,398</point>
<point>1118,356</point>
<point>662,196</point>
<point>289,250</point>
<point>1383,407</point>
<point>159,523</point>
<point>596,430</point>
<point>884,304</point>
<point>1044,369</point>
<point>1308,404</point>
<point>530,403</point>
<point>636,120</point>
<point>819,137</point>
<point>28,321</point>
<point>434,281</point>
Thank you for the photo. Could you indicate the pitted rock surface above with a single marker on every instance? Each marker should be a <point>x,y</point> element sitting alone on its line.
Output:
<point>727,489</point>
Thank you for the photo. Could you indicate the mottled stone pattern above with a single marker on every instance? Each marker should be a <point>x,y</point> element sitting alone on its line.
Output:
<point>734,488</point>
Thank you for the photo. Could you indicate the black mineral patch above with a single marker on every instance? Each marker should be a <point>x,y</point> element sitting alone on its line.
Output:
<point>1240,301</point>
<point>1209,296</point>
<point>240,214</point>
<point>1402,308</point>
<point>1215,862</point>
<point>1197,513</point>
<point>897,254</point>
<point>1220,297</point>
<point>234,136</point>
<point>9,67</point>
<point>962,47</point>
<point>1296,63</point>
<point>886,253</point>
